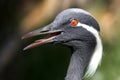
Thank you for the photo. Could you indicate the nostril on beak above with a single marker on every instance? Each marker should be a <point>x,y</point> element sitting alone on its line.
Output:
<point>44,31</point>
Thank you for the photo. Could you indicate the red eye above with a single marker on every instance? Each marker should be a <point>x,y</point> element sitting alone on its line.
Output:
<point>74,22</point>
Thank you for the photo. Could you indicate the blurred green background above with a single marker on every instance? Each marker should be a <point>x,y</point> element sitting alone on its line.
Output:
<point>50,62</point>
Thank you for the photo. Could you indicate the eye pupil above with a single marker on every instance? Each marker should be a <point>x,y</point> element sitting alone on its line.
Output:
<point>74,22</point>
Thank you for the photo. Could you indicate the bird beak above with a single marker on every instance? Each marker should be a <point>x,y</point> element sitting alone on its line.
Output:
<point>46,30</point>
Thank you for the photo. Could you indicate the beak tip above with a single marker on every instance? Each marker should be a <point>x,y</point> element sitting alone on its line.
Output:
<point>25,49</point>
<point>22,38</point>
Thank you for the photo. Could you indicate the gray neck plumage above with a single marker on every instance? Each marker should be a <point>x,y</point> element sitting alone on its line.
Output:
<point>79,60</point>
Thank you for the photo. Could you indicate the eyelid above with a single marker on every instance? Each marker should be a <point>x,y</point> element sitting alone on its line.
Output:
<point>72,19</point>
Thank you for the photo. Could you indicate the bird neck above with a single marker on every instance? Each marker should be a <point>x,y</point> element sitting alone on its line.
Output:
<point>79,60</point>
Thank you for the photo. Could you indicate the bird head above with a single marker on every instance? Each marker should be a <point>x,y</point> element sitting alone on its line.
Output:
<point>70,25</point>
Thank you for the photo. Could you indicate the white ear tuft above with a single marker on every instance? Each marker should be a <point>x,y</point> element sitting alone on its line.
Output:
<point>97,55</point>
